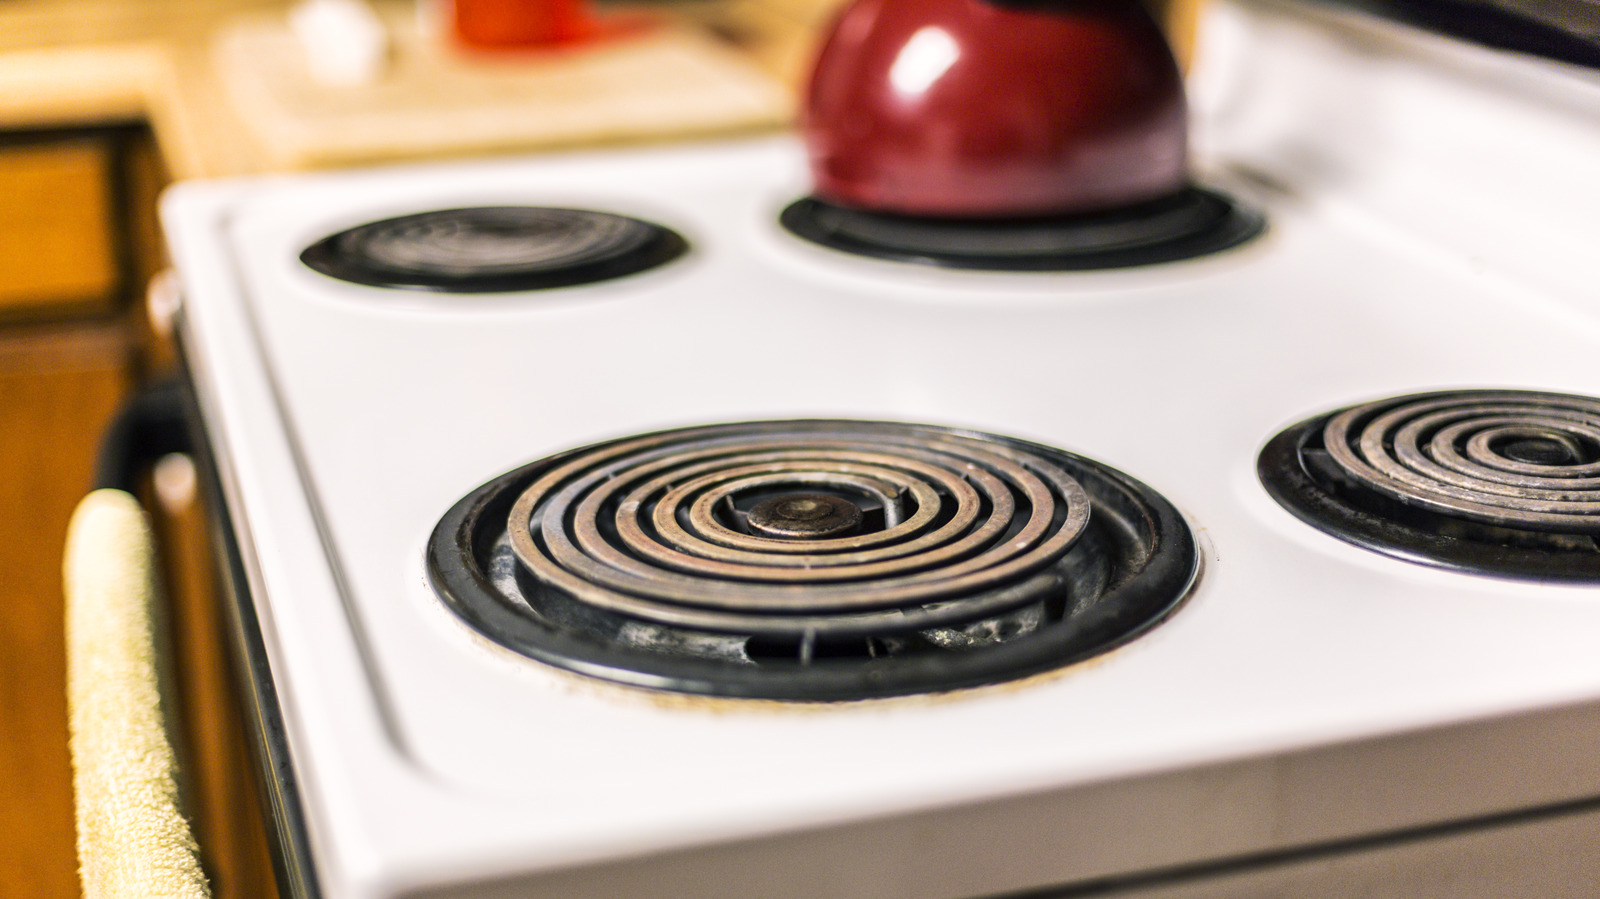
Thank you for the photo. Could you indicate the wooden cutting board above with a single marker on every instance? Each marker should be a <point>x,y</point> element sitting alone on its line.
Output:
<point>662,80</point>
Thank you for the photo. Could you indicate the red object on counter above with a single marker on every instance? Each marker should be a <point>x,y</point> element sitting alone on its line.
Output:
<point>522,23</point>
<point>971,109</point>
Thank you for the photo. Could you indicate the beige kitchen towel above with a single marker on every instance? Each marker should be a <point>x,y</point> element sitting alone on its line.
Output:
<point>132,839</point>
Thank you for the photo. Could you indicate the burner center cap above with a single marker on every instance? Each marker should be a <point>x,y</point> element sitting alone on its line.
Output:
<point>804,515</point>
<point>1548,450</point>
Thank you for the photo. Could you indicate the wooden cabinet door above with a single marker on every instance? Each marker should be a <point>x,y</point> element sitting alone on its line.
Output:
<point>58,226</point>
<point>58,388</point>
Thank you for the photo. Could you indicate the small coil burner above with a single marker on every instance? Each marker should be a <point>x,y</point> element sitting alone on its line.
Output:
<point>1498,482</point>
<point>1191,223</point>
<point>812,560</point>
<point>493,249</point>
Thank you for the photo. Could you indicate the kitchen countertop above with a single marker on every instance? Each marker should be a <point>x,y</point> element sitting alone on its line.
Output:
<point>67,63</point>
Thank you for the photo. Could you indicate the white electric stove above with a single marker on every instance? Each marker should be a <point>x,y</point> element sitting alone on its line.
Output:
<point>1301,716</point>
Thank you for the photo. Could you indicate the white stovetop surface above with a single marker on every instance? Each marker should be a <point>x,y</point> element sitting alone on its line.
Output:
<point>349,419</point>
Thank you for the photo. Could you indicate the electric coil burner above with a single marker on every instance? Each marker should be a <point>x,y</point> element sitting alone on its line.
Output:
<point>496,248</point>
<point>1193,222</point>
<point>820,560</point>
<point>1488,481</point>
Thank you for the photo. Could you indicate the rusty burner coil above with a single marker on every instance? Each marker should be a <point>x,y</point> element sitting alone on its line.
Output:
<point>1486,481</point>
<point>812,559</point>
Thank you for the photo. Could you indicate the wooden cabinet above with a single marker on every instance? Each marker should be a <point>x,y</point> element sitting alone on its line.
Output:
<point>58,385</point>
<point>68,355</point>
<point>78,244</point>
<point>58,247</point>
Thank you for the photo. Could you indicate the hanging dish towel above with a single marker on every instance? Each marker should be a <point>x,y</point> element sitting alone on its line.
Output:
<point>132,839</point>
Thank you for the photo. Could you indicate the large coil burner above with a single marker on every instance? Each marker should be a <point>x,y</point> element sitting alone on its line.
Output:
<point>486,249</point>
<point>814,560</point>
<point>1500,482</point>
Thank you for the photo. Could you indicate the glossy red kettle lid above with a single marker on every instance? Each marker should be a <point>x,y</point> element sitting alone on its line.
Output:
<point>971,108</point>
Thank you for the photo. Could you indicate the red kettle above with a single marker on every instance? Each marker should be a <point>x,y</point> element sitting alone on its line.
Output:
<point>995,108</point>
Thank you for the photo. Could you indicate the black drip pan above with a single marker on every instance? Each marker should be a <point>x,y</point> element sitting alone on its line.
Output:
<point>1191,223</point>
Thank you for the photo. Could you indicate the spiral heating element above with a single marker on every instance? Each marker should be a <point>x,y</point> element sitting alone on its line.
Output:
<point>1487,481</point>
<point>1521,459</point>
<point>784,545</point>
<point>695,536</point>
